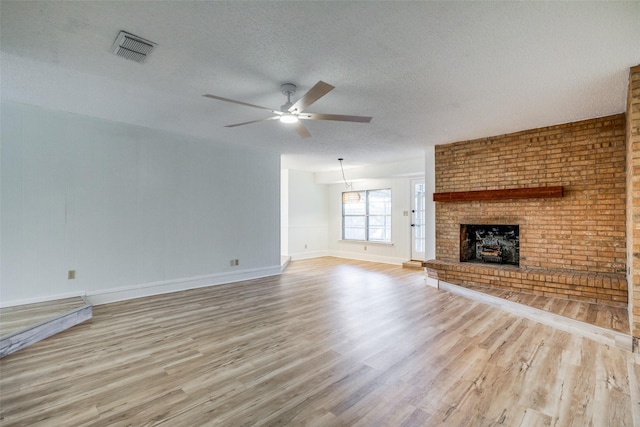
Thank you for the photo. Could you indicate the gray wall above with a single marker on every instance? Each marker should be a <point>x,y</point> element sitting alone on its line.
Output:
<point>128,208</point>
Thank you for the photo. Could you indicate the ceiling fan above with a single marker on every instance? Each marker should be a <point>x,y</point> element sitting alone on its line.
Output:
<point>293,112</point>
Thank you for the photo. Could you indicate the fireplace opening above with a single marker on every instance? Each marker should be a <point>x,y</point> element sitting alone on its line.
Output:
<point>484,243</point>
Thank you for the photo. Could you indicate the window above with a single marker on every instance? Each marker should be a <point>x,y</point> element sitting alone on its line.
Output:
<point>366,215</point>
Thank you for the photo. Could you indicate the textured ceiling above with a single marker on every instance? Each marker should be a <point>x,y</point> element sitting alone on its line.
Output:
<point>428,72</point>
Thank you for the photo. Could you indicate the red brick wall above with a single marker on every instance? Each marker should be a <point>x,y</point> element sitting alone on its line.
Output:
<point>583,231</point>
<point>633,199</point>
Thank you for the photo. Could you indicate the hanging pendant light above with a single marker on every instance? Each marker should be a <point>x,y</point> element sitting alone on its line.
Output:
<point>351,197</point>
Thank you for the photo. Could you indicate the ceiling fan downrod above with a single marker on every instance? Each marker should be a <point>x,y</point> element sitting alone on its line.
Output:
<point>287,89</point>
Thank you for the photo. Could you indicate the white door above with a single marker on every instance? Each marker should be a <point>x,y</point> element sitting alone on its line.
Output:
<point>417,219</point>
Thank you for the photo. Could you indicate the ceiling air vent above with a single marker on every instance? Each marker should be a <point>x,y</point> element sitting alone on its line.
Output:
<point>132,47</point>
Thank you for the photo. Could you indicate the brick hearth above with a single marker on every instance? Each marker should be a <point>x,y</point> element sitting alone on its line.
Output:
<point>600,288</point>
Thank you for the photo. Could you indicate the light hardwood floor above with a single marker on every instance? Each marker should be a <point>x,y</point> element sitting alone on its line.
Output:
<point>614,318</point>
<point>330,342</point>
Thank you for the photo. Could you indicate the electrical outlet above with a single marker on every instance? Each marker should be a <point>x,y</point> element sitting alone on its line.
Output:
<point>305,246</point>
<point>237,262</point>
<point>71,275</point>
<point>232,263</point>
<point>365,248</point>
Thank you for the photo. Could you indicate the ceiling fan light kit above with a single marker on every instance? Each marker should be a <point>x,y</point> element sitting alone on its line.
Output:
<point>292,112</point>
<point>288,118</point>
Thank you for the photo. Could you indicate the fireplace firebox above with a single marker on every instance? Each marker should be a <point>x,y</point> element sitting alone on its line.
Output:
<point>491,243</point>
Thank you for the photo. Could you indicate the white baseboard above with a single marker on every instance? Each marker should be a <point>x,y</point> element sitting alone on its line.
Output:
<point>348,255</point>
<point>309,255</point>
<point>130,292</point>
<point>284,262</point>
<point>4,304</point>
<point>365,257</point>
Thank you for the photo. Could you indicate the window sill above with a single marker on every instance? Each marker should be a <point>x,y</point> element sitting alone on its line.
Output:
<point>366,242</point>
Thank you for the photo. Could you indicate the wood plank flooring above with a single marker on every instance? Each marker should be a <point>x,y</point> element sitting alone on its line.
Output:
<point>585,330</point>
<point>330,342</point>
<point>614,318</point>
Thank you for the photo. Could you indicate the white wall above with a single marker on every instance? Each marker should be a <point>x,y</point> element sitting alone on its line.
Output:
<point>284,212</point>
<point>307,215</point>
<point>133,210</point>
<point>430,205</point>
<point>400,250</point>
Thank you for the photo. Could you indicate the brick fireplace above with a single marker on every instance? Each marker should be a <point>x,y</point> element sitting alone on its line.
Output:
<point>571,246</point>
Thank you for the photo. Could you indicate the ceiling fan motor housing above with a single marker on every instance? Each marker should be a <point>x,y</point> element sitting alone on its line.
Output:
<point>288,89</point>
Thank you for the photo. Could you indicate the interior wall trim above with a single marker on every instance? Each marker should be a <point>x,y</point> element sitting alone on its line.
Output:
<point>368,257</point>
<point>138,291</point>
<point>309,255</point>
<point>5,304</point>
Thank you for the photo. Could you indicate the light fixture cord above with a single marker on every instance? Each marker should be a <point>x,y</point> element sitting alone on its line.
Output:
<point>346,184</point>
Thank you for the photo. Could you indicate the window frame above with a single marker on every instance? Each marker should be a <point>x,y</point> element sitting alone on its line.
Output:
<point>367,215</point>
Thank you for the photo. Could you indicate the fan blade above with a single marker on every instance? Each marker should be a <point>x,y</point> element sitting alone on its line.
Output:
<point>316,92</point>
<point>338,117</point>
<point>240,102</point>
<point>252,121</point>
<point>302,131</point>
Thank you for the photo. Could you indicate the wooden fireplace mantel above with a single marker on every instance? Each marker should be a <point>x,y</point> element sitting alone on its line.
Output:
<point>504,194</point>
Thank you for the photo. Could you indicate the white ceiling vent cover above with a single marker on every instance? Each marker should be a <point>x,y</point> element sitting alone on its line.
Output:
<point>132,47</point>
